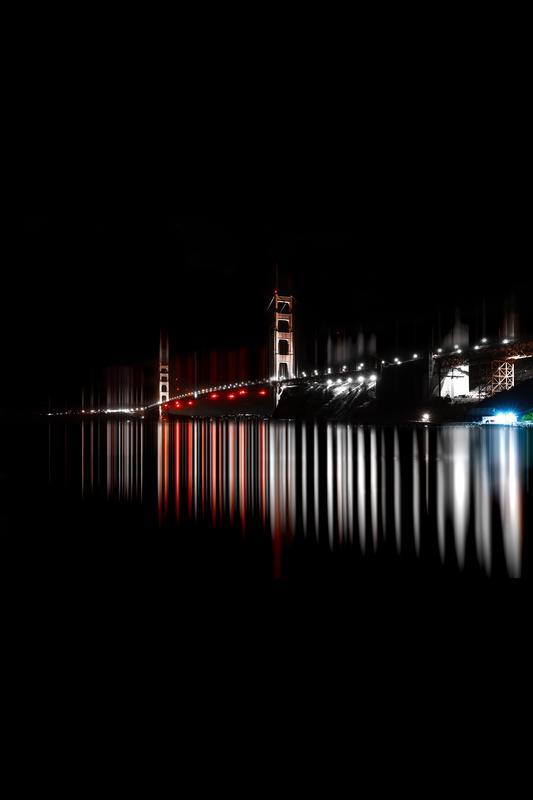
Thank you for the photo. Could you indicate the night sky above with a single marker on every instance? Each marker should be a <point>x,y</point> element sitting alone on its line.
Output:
<point>380,209</point>
<point>97,290</point>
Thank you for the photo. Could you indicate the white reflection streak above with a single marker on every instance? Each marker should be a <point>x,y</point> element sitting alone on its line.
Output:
<point>329,477</point>
<point>141,457</point>
<point>426,463</point>
<point>383,485</point>
<point>315,480</point>
<point>483,500</point>
<point>361,504</point>
<point>341,474</point>
<point>109,460</point>
<point>397,493</point>
<point>510,500</point>
<point>304,478</point>
<point>416,493</point>
<point>374,486</point>
<point>441,496</point>
<point>349,480</point>
<point>272,493</point>
<point>291,476</point>
<point>461,490</point>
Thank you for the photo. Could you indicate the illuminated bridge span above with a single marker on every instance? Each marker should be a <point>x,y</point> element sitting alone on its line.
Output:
<point>264,394</point>
<point>480,369</point>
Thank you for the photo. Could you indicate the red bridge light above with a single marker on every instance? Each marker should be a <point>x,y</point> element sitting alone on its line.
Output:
<point>190,402</point>
<point>262,392</point>
<point>243,391</point>
<point>177,404</point>
<point>214,396</point>
<point>231,396</point>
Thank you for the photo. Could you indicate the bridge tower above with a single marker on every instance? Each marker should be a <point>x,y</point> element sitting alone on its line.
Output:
<point>164,385</point>
<point>283,337</point>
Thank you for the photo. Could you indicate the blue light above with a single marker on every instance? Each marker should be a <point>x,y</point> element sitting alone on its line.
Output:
<point>505,418</point>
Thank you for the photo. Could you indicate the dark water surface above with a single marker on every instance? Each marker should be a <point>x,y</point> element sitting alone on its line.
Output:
<point>277,503</point>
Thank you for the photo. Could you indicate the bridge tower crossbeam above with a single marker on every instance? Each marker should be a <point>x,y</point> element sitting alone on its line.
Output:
<point>283,337</point>
<point>164,385</point>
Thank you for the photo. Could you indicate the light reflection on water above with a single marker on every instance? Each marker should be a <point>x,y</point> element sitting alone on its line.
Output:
<point>454,493</point>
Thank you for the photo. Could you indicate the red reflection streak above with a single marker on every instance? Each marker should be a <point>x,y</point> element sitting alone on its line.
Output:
<point>92,456</point>
<point>231,460</point>
<point>262,471</point>
<point>220,469</point>
<point>276,522</point>
<point>242,473</point>
<point>83,458</point>
<point>190,476</point>
<point>165,468</point>
<point>177,448</point>
<point>162,470</point>
<point>203,466</point>
<point>214,472</point>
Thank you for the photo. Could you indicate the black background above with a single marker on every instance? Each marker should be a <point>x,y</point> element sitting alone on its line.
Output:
<point>384,173</point>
